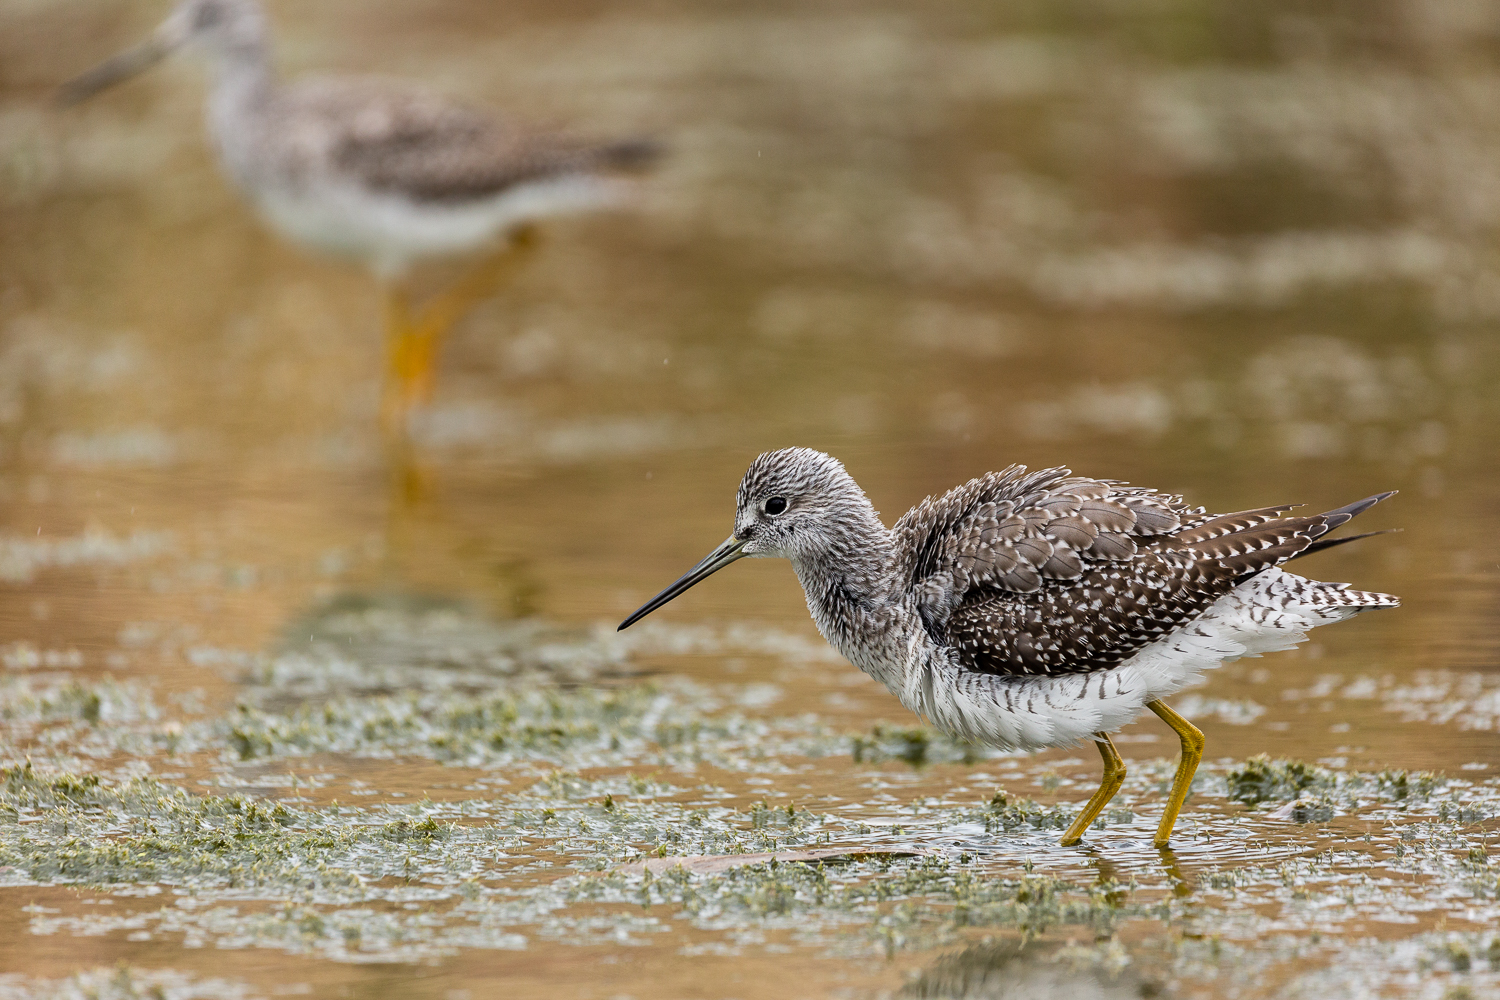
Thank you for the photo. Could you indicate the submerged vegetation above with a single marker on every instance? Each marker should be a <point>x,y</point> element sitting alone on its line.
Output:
<point>403,881</point>
<point>549,800</point>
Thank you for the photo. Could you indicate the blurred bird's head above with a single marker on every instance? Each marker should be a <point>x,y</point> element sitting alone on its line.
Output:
<point>224,29</point>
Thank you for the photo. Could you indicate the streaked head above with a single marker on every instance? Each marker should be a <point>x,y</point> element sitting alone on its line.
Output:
<point>796,504</point>
<point>220,26</point>
<point>792,502</point>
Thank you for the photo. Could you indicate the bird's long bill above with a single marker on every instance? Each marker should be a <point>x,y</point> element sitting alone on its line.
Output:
<point>172,33</point>
<point>715,561</point>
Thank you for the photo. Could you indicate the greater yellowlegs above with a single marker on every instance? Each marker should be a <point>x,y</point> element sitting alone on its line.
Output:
<point>378,172</point>
<point>1030,610</point>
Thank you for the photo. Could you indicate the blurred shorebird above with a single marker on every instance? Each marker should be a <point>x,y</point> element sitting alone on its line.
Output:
<point>382,173</point>
<point>1038,610</point>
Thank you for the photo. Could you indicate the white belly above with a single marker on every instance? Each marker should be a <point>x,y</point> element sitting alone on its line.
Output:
<point>1270,612</point>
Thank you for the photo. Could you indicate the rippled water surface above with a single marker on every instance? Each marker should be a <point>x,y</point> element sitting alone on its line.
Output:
<point>280,722</point>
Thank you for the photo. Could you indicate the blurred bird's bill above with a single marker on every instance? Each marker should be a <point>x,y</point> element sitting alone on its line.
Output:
<point>166,39</point>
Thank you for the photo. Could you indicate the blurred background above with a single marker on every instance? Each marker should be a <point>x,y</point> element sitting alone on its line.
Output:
<point>1243,252</point>
<point>1248,255</point>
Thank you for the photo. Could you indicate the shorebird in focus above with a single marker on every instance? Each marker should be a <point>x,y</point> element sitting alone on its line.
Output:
<point>382,173</point>
<point>1031,610</point>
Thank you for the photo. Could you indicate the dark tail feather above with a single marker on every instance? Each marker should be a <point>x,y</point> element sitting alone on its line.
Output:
<point>1335,518</point>
<point>1328,543</point>
<point>1255,549</point>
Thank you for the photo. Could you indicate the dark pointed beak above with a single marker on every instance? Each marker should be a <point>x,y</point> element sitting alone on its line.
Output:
<point>115,69</point>
<point>716,560</point>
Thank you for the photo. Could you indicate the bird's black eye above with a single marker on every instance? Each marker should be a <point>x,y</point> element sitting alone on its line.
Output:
<point>775,505</point>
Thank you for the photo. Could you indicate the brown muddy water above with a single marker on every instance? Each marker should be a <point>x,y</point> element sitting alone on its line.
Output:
<point>275,727</point>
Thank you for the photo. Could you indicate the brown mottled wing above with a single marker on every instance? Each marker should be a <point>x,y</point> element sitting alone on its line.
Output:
<point>1050,574</point>
<point>1015,532</point>
<point>434,150</point>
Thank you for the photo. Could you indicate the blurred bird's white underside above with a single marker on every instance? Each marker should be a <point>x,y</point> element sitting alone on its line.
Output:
<point>390,232</point>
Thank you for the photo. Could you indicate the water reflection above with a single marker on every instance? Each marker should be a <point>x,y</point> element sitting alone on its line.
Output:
<point>1016,969</point>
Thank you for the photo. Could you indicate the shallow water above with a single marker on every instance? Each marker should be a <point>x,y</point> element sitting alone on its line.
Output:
<point>1246,255</point>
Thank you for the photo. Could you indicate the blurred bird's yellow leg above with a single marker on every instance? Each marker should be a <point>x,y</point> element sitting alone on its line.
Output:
<point>1114,776</point>
<point>415,338</point>
<point>396,396</point>
<point>441,314</point>
<point>1192,753</point>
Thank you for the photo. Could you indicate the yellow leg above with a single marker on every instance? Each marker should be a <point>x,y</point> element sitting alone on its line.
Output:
<point>413,341</point>
<point>1114,777</point>
<point>395,401</point>
<point>1192,753</point>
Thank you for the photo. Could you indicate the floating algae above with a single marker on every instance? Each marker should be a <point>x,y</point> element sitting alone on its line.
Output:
<point>1262,779</point>
<point>123,983</point>
<point>400,882</point>
<point>70,829</point>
